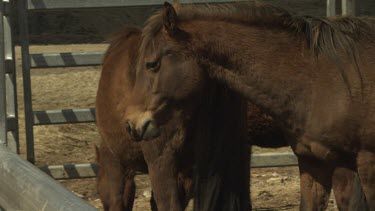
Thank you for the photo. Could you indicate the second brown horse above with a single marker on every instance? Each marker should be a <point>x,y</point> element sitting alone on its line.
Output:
<point>120,157</point>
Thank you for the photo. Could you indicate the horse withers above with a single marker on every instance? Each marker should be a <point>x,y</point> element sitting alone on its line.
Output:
<point>312,75</point>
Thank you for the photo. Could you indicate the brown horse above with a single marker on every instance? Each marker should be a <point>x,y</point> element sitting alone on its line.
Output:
<point>119,157</point>
<point>118,169</point>
<point>312,75</point>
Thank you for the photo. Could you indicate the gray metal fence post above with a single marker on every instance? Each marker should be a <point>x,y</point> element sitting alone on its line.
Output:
<point>24,42</point>
<point>3,115</point>
<point>349,7</point>
<point>10,80</point>
<point>8,93</point>
<point>331,8</point>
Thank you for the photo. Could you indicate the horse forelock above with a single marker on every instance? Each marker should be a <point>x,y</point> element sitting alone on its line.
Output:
<point>152,27</point>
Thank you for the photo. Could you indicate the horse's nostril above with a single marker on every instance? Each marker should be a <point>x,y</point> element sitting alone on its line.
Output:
<point>132,132</point>
<point>145,126</point>
<point>149,129</point>
<point>128,127</point>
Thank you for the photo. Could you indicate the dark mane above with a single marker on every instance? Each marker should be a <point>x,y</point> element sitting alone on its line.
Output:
<point>320,32</point>
<point>324,36</point>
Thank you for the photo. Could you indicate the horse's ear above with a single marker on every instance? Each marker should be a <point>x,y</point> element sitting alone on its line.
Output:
<point>170,19</point>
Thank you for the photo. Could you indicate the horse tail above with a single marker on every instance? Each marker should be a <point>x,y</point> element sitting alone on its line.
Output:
<point>221,176</point>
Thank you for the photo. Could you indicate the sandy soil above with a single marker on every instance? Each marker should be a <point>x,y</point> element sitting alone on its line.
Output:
<point>271,188</point>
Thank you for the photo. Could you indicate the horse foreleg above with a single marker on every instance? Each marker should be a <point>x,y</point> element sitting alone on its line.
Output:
<point>122,188</point>
<point>316,183</point>
<point>163,177</point>
<point>366,171</point>
<point>116,185</point>
<point>129,192</point>
<point>185,190</point>
<point>185,186</point>
<point>153,205</point>
<point>347,189</point>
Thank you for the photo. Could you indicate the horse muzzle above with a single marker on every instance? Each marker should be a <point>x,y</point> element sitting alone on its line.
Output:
<point>144,128</point>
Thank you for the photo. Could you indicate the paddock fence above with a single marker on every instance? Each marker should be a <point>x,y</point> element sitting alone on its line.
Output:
<point>24,186</point>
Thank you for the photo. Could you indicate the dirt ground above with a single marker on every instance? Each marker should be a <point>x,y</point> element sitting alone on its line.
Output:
<point>271,188</point>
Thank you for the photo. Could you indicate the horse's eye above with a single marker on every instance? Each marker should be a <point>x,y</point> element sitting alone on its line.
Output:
<point>152,65</point>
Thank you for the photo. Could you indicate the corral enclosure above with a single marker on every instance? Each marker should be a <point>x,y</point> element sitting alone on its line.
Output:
<point>76,88</point>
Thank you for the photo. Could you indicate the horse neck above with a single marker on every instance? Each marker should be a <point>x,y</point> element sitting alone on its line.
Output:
<point>264,65</point>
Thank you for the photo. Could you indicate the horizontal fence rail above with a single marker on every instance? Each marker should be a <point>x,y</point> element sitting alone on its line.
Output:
<point>65,116</point>
<point>89,170</point>
<point>24,187</point>
<point>71,171</point>
<point>81,4</point>
<point>273,160</point>
<point>66,59</point>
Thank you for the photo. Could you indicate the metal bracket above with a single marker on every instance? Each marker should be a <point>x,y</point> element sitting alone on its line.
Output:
<point>7,8</point>
<point>11,124</point>
<point>9,66</point>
